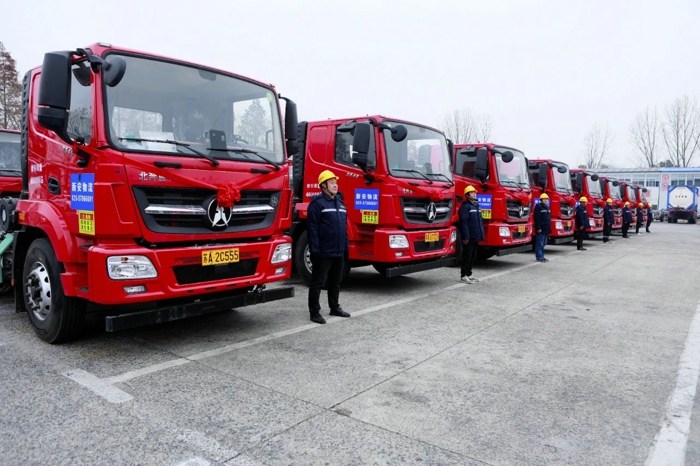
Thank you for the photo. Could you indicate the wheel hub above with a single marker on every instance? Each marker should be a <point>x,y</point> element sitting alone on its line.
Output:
<point>307,259</point>
<point>38,291</point>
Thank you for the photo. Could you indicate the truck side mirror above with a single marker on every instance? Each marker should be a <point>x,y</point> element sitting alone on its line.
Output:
<point>360,144</point>
<point>561,169</point>
<point>113,70</point>
<point>579,182</point>
<point>616,183</point>
<point>595,177</point>
<point>451,151</point>
<point>481,167</point>
<point>291,125</point>
<point>507,156</point>
<point>55,93</point>
<point>542,175</point>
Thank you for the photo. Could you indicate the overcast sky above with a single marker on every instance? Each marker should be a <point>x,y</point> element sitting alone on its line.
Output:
<point>545,70</point>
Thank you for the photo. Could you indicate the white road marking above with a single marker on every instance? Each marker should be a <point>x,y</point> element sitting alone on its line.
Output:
<point>194,462</point>
<point>670,443</point>
<point>103,387</point>
<point>99,386</point>
<point>146,370</point>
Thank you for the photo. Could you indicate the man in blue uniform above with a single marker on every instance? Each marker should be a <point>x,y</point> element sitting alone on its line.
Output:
<point>471,227</point>
<point>543,226</point>
<point>581,222</point>
<point>608,220</point>
<point>640,217</point>
<point>626,219</point>
<point>328,244</point>
<point>650,217</point>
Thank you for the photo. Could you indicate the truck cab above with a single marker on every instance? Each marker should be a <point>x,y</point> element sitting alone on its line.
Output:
<point>610,188</point>
<point>152,189</point>
<point>586,183</point>
<point>500,176</point>
<point>554,179</point>
<point>395,178</point>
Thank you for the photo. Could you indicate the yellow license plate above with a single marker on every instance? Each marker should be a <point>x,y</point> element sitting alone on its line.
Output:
<point>430,237</point>
<point>521,229</point>
<point>568,224</point>
<point>220,256</point>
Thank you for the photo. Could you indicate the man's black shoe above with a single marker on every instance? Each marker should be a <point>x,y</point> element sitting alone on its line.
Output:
<point>582,249</point>
<point>318,318</point>
<point>340,313</point>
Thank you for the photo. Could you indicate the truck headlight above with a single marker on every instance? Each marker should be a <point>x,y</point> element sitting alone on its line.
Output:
<point>453,237</point>
<point>130,267</point>
<point>283,253</point>
<point>504,232</point>
<point>559,226</point>
<point>398,242</point>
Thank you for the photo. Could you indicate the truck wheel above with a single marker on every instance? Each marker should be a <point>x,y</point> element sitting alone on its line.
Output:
<point>302,258</point>
<point>458,250</point>
<point>55,317</point>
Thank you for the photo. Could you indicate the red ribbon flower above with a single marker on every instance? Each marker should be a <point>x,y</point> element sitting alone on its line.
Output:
<point>228,194</point>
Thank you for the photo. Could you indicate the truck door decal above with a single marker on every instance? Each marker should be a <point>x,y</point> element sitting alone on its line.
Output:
<point>82,199</point>
<point>367,202</point>
<point>485,204</point>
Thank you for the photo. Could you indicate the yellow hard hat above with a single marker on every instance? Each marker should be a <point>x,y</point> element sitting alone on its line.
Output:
<point>544,196</point>
<point>583,199</point>
<point>627,203</point>
<point>609,200</point>
<point>469,189</point>
<point>641,204</point>
<point>325,176</point>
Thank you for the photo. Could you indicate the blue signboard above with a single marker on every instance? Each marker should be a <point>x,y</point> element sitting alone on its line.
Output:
<point>367,199</point>
<point>82,196</point>
<point>485,201</point>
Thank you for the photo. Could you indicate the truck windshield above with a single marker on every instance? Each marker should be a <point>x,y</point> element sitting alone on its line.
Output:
<point>614,191</point>
<point>513,173</point>
<point>422,154</point>
<point>631,195</point>
<point>594,187</point>
<point>562,181</point>
<point>211,112</point>
<point>9,153</point>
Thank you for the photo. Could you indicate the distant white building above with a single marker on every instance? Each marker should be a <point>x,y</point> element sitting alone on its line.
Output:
<point>656,180</point>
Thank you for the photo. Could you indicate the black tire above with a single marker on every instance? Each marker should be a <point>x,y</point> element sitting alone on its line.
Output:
<point>56,317</point>
<point>381,268</point>
<point>458,250</point>
<point>5,286</point>
<point>302,258</point>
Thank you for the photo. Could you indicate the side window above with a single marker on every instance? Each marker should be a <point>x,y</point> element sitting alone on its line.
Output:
<point>80,113</point>
<point>343,150</point>
<point>534,174</point>
<point>465,166</point>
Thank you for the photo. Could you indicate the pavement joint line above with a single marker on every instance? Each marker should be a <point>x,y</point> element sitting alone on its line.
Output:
<point>104,386</point>
<point>669,445</point>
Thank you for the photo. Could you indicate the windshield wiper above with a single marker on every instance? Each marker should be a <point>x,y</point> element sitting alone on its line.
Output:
<point>10,170</point>
<point>243,150</point>
<point>410,170</point>
<point>213,161</point>
<point>514,183</point>
<point>444,176</point>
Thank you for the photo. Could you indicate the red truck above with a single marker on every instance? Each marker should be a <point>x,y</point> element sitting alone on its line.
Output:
<point>610,188</point>
<point>553,178</point>
<point>629,194</point>
<point>10,187</point>
<point>500,177</point>
<point>587,184</point>
<point>152,190</point>
<point>396,181</point>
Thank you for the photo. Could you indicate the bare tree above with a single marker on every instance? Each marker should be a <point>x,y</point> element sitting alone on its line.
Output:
<point>597,143</point>
<point>482,128</point>
<point>645,133</point>
<point>10,91</point>
<point>458,126</point>
<point>681,130</point>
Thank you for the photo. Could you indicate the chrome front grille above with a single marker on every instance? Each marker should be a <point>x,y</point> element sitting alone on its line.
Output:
<point>515,210</point>
<point>567,211</point>
<point>417,209</point>
<point>193,211</point>
<point>597,211</point>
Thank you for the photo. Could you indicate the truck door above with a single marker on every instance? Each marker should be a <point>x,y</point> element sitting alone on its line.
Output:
<point>361,200</point>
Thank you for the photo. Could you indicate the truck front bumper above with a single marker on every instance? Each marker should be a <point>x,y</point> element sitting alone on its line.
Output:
<point>181,273</point>
<point>398,246</point>
<point>504,237</point>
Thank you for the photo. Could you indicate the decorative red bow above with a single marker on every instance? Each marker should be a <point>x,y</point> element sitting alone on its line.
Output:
<point>228,194</point>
